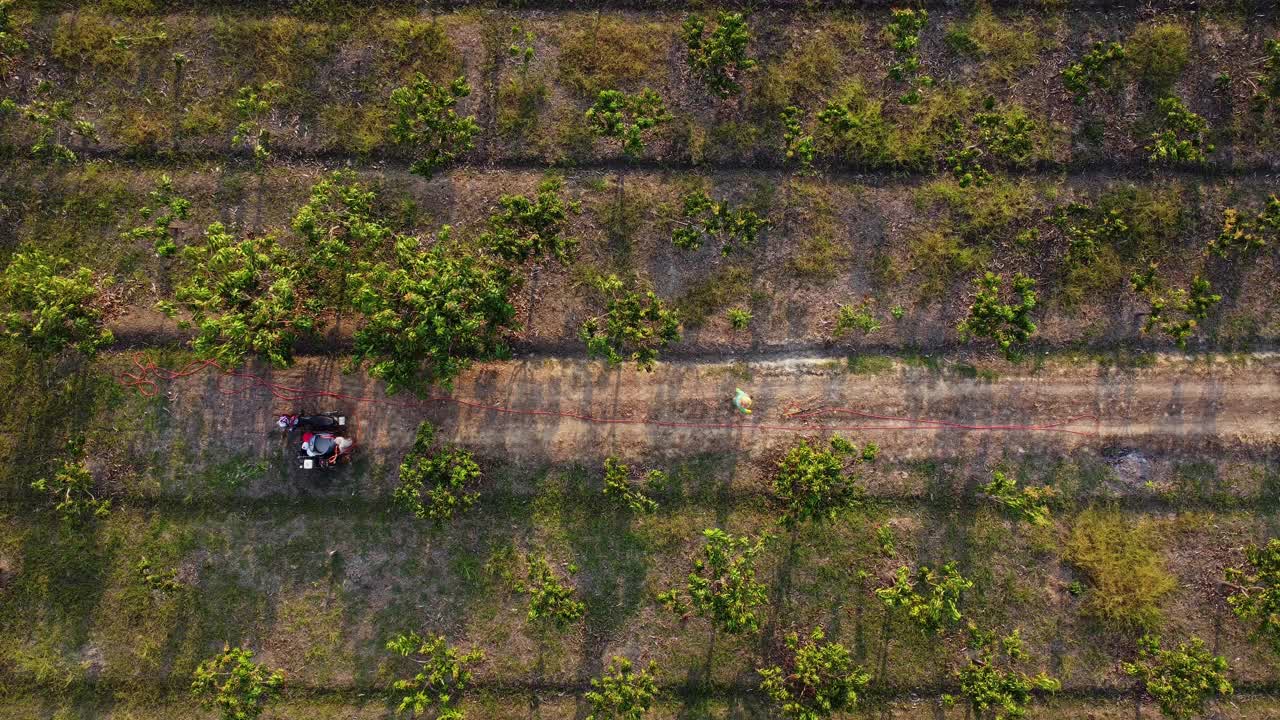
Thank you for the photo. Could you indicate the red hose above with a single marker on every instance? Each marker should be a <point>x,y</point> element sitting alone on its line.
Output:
<point>145,380</point>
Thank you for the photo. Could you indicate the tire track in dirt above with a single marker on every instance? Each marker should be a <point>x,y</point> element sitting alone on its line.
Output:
<point>1176,405</point>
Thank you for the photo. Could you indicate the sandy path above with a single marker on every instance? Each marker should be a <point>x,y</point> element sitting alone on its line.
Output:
<point>1175,405</point>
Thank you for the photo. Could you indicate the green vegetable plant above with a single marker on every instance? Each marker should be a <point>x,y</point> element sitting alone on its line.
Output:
<point>719,58</point>
<point>162,581</point>
<point>434,479</point>
<point>703,219</point>
<point>739,318</point>
<point>549,598</point>
<point>72,491</point>
<point>1028,504</point>
<point>54,124</point>
<point>855,317</point>
<point>429,313</point>
<point>1176,313</point>
<point>929,601</point>
<point>442,677</point>
<point>1008,134</point>
<point>815,484</point>
<point>234,685</point>
<point>1243,236</point>
<point>618,487</point>
<point>1180,135</point>
<point>797,145</point>
<point>627,118</point>
<point>1269,84</point>
<point>1255,591</point>
<point>242,296</point>
<point>904,30</point>
<point>722,586</point>
<point>634,326</point>
<point>427,123</point>
<point>992,682</point>
<point>815,680</point>
<point>1008,324</point>
<point>1181,680</point>
<point>1097,70</point>
<point>164,207</point>
<point>47,307</point>
<point>1088,230</point>
<point>253,105</point>
<point>529,228</point>
<point>622,693</point>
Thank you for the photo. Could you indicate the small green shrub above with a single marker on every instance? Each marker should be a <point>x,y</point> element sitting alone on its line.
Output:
<point>634,326</point>
<point>1158,53</point>
<point>1009,325</point>
<point>904,30</point>
<point>739,318</point>
<point>162,581</point>
<point>815,484</point>
<point>427,123</point>
<point>1030,504</point>
<point>530,228</point>
<point>815,680</point>
<point>11,40</point>
<point>1095,71</point>
<point>73,492</point>
<point>930,601</point>
<point>163,208</point>
<point>617,486</point>
<point>1269,84</point>
<point>1009,135</point>
<point>549,598</point>
<point>1180,135</point>
<point>1181,681</point>
<point>434,480</point>
<point>722,586</point>
<point>234,685</point>
<point>253,105</point>
<point>703,219</point>
<point>339,227</point>
<point>720,57</point>
<point>1255,592</point>
<point>48,308</point>
<point>992,682</point>
<point>1127,577</point>
<point>855,317</point>
<point>441,679</point>
<point>1090,230</point>
<point>1176,313</point>
<point>627,118</point>
<point>855,128</point>
<point>622,693</point>
<point>54,125</point>
<point>797,145</point>
<point>1241,237</point>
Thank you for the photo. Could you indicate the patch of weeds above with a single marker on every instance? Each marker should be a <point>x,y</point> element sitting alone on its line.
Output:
<point>1157,53</point>
<point>853,128</point>
<point>739,318</point>
<point>1119,557</point>
<point>604,53</point>
<point>227,477</point>
<point>905,25</point>
<point>408,46</point>
<point>1095,71</point>
<point>520,103</point>
<point>1180,137</point>
<point>1007,49</point>
<point>938,257</point>
<point>855,317</point>
<point>1008,324</point>
<point>807,70</point>
<point>708,295</point>
<point>868,364</point>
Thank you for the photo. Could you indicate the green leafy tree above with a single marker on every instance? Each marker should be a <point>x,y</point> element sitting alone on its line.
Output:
<point>1008,324</point>
<point>1176,313</point>
<point>722,586</point>
<point>1096,70</point>
<point>634,326</point>
<point>253,106</point>
<point>627,118</point>
<point>930,601</point>
<point>549,598</point>
<point>338,225</point>
<point>617,485</point>
<point>242,296</point>
<point>442,678</point>
<point>429,313</point>
<point>815,680</point>
<point>427,122</point>
<point>622,693</point>
<point>1029,504</point>
<point>73,492</point>
<point>797,145</point>
<point>817,484</point>
<point>164,207</point>
<point>1180,136</point>
<point>992,682</point>
<point>904,30</point>
<point>1255,591</point>
<point>1181,681</point>
<point>47,307</point>
<point>529,228</point>
<point>234,685</point>
<point>703,219</point>
<point>720,57</point>
<point>163,581</point>
<point>434,479</point>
